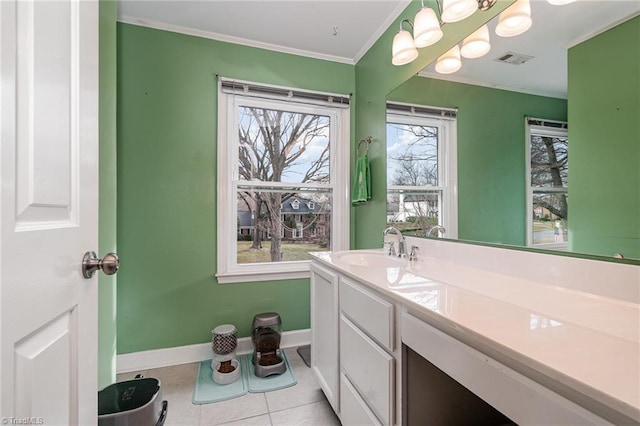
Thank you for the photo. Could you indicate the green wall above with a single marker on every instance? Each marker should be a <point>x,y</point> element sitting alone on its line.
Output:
<point>167,113</point>
<point>375,78</point>
<point>107,196</point>
<point>491,152</point>
<point>166,195</point>
<point>604,112</point>
<point>166,176</point>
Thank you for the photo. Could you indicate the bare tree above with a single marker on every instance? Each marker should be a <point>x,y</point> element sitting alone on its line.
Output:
<point>274,147</point>
<point>253,204</point>
<point>549,168</point>
<point>417,163</point>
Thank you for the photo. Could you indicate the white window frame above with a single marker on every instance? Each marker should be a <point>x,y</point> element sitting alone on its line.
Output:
<point>544,131</point>
<point>447,164</point>
<point>228,270</point>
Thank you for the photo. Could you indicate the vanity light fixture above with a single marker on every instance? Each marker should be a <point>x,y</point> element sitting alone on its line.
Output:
<point>427,28</point>
<point>477,44</point>
<point>457,10</point>
<point>403,48</point>
<point>514,20</point>
<point>450,62</point>
<point>560,2</point>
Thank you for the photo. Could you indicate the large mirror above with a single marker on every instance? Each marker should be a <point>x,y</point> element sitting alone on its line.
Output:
<point>573,76</point>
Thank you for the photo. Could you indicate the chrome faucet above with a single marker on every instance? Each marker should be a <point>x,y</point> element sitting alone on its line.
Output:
<point>439,228</point>
<point>392,249</point>
<point>413,254</point>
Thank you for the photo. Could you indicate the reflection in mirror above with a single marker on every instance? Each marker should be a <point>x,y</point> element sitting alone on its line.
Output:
<point>547,184</point>
<point>560,71</point>
<point>420,169</point>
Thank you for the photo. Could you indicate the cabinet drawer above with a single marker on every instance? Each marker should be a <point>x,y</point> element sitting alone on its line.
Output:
<point>369,312</point>
<point>354,410</point>
<point>369,368</point>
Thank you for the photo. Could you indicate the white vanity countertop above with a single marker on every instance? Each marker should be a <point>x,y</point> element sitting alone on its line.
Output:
<point>574,342</point>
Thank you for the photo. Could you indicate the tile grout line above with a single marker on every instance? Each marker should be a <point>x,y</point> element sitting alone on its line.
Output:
<point>296,406</point>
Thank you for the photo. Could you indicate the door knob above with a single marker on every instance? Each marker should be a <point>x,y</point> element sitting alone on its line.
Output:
<point>90,264</point>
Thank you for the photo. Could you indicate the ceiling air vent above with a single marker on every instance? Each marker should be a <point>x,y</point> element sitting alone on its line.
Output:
<point>513,58</point>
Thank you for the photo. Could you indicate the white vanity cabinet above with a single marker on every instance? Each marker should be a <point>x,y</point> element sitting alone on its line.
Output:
<point>353,339</point>
<point>324,331</point>
<point>393,346</point>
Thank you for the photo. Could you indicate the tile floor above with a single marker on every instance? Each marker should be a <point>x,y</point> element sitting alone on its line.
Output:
<point>302,404</point>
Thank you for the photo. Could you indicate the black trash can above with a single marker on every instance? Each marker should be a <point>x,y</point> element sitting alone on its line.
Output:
<point>136,402</point>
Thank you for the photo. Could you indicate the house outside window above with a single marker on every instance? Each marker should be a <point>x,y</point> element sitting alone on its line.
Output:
<point>547,148</point>
<point>280,151</point>
<point>421,169</point>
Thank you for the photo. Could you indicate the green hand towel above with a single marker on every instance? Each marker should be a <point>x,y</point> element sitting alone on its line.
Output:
<point>362,184</point>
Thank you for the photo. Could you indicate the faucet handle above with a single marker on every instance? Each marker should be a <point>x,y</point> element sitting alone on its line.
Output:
<point>392,250</point>
<point>413,255</point>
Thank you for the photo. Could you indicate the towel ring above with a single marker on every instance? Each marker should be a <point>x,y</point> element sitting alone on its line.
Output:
<point>366,140</point>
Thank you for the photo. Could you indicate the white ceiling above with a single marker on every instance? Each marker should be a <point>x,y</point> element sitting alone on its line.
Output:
<point>306,27</point>
<point>554,30</point>
<point>303,27</point>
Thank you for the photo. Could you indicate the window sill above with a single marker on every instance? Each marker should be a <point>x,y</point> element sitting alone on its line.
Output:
<point>551,246</point>
<point>259,273</point>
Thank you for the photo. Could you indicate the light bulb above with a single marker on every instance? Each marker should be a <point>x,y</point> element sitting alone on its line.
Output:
<point>403,48</point>
<point>457,10</point>
<point>514,20</point>
<point>426,28</point>
<point>477,44</point>
<point>450,62</point>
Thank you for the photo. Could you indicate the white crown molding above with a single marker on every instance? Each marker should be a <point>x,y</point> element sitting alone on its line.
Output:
<point>165,357</point>
<point>472,82</point>
<point>230,39</point>
<point>600,30</point>
<point>402,5</point>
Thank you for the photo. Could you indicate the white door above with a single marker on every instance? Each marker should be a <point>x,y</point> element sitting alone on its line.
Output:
<point>48,211</point>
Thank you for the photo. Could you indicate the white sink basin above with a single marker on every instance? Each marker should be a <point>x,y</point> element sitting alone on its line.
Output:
<point>372,258</point>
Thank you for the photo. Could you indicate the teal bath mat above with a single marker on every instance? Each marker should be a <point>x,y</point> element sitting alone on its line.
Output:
<point>207,391</point>
<point>269,383</point>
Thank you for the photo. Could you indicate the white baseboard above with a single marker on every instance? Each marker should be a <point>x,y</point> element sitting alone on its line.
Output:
<point>156,358</point>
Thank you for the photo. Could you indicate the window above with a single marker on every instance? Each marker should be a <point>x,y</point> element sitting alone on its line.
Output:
<point>280,151</point>
<point>547,189</point>
<point>421,169</point>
